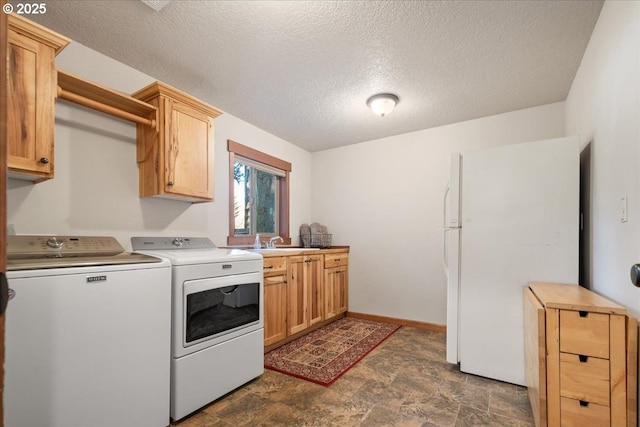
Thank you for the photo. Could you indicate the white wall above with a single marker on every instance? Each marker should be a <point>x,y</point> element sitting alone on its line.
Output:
<point>603,107</point>
<point>384,198</point>
<point>95,189</point>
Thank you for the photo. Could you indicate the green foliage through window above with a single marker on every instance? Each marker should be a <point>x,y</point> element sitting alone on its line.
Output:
<point>255,200</point>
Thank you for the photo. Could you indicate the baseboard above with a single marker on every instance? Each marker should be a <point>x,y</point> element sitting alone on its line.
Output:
<point>404,322</point>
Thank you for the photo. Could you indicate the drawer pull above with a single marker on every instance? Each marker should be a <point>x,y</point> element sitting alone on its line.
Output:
<point>583,358</point>
<point>584,403</point>
<point>583,313</point>
<point>268,267</point>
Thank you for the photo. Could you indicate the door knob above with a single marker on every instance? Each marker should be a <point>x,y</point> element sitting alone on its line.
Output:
<point>635,275</point>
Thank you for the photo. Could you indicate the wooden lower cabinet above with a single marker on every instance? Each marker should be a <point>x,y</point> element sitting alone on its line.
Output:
<point>275,309</point>
<point>336,292</point>
<point>578,346</point>
<point>303,292</point>
<point>275,299</point>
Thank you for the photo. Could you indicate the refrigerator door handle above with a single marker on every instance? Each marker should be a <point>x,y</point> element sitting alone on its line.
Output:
<point>444,206</point>
<point>445,260</point>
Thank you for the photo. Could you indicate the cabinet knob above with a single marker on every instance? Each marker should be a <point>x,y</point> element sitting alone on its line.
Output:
<point>44,160</point>
<point>170,183</point>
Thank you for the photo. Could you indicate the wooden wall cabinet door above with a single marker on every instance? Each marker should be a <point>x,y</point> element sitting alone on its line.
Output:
<point>306,292</point>
<point>176,158</point>
<point>275,299</point>
<point>32,89</point>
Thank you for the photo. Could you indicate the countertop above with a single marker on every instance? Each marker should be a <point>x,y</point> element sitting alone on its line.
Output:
<point>291,251</point>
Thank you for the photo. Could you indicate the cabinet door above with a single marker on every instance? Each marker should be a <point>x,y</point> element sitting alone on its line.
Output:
<point>31,96</point>
<point>275,309</point>
<point>298,295</point>
<point>189,152</point>
<point>341,294</point>
<point>330,288</point>
<point>314,278</point>
<point>306,292</point>
<point>335,288</point>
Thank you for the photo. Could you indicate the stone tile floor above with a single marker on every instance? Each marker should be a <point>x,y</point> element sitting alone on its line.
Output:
<point>405,381</point>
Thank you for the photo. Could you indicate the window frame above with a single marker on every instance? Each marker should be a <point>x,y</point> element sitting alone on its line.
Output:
<point>235,148</point>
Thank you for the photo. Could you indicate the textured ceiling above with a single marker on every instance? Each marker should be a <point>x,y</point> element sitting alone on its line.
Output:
<point>303,70</point>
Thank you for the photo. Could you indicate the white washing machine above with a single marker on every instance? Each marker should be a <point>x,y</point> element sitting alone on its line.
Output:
<point>87,334</point>
<point>217,331</point>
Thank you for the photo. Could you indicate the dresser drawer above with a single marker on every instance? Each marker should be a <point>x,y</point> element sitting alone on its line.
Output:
<point>573,413</point>
<point>586,380</point>
<point>275,266</point>
<point>584,333</point>
<point>336,260</point>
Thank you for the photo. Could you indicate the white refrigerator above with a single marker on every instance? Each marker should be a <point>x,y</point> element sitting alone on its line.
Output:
<point>511,216</point>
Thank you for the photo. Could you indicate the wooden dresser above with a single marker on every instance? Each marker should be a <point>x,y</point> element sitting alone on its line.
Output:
<point>581,358</point>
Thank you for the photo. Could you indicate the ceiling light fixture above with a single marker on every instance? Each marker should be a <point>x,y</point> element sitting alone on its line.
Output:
<point>156,5</point>
<point>382,103</point>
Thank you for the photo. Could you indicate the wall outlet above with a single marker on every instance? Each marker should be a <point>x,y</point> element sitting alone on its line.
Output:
<point>11,229</point>
<point>622,209</point>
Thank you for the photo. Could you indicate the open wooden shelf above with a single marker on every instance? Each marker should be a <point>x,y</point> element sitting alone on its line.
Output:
<point>106,100</point>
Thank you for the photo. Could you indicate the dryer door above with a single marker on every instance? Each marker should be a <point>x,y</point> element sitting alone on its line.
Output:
<point>216,309</point>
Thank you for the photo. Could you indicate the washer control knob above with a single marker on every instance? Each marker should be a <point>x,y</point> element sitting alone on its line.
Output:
<point>177,242</point>
<point>55,243</point>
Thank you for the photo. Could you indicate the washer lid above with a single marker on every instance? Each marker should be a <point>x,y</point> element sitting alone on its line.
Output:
<point>79,261</point>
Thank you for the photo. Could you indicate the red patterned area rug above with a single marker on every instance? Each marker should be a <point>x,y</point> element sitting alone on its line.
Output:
<point>325,354</point>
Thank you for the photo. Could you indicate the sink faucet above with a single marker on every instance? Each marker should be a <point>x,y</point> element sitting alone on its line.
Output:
<point>272,241</point>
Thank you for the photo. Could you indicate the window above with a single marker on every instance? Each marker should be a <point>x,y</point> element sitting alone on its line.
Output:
<point>258,195</point>
<point>255,198</point>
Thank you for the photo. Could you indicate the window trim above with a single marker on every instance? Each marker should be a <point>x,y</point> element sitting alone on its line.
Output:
<point>236,148</point>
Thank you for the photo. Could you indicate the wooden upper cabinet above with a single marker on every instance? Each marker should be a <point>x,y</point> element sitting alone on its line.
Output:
<point>176,158</point>
<point>32,90</point>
